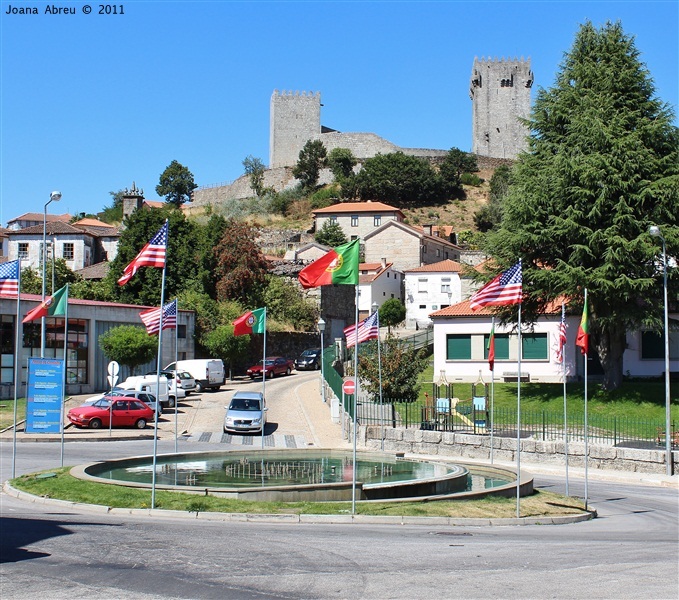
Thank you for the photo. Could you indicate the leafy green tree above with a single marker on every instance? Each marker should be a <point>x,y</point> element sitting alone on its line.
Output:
<point>114,212</point>
<point>182,265</point>
<point>490,216</point>
<point>455,163</point>
<point>401,369</point>
<point>341,162</point>
<point>254,169</point>
<point>208,237</point>
<point>603,165</point>
<point>285,303</point>
<point>87,289</point>
<point>241,267</point>
<point>176,184</point>
<point>331,234</point>
<point>312,158</point>
<point>400,180</point>
<point>392,313</point>
<point>31,279</point>
<point>129,345</point>
<point>221,343</point>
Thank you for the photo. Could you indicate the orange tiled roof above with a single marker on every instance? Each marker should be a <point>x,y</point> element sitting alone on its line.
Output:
<point>444,266</point>
<point>91,223</point>
<point>463,309</point>
<point>40,217</point>
<point>357,207</point>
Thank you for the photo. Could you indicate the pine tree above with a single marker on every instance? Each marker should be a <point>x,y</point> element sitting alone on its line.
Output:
<point>602,167</point>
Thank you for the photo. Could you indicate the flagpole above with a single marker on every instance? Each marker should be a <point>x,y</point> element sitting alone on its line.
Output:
<point>492,400</point>
<point>586,420</point>
<point>263,378</point>
<point>353,471</point>
<point>17,360</point>
<point>565,405</point>
<point>518,427</point>
<point>176,368</point>
<point>63,391</point>
<point>158,404</point>
<point>379,371</point>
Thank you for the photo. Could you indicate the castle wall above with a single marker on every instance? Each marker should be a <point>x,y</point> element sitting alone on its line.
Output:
<point>500,94</point>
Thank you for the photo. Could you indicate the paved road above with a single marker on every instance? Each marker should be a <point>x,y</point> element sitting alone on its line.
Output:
<point>50,551</point>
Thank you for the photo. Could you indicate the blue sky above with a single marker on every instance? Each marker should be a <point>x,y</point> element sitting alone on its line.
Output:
<point>91,103</point>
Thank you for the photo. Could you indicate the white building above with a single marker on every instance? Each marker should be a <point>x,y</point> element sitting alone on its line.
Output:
<point>377,283</point>
<point>357,219</point>
<point>430,288</point>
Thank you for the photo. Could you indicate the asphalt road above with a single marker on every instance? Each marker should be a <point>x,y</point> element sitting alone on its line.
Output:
<point>53,552</point>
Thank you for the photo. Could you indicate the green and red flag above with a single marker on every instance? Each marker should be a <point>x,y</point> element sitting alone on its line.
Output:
<point>52,306</point>
<point>491,347</point>
<point>339,266</point>
<point>253,321</point>
<point>582,339</point>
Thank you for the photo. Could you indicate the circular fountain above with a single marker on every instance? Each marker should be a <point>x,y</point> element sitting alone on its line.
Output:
<point>303,475</point>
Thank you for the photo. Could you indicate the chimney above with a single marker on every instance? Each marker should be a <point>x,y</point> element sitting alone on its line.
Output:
<point>384,263</point>
<point>427,229</point>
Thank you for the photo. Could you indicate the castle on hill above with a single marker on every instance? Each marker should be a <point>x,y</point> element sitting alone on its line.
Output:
<point>500,94</point>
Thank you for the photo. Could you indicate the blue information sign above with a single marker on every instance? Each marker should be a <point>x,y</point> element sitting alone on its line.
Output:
<point>45,394</point>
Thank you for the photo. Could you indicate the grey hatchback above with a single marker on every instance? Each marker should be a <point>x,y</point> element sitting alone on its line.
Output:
<point>246,413</point>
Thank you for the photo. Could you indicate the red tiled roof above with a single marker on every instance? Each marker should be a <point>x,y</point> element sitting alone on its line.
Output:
<point>444,266</point>
<point>154,203</point>
<point>55,227</point>
<point>90,223</point>
<point>357,207</point>
<point>79,302</point>
<point>41,216</point>
<point>462,309</point>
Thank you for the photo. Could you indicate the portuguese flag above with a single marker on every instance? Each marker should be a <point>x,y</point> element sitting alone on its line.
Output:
<point>52,306</point>
<point>582,339</point>
<point>339,265</point>
<point>491,347</point>
<point>253,321</point>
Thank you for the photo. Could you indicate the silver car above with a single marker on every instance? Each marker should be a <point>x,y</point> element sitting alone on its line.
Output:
<point>246,413</point>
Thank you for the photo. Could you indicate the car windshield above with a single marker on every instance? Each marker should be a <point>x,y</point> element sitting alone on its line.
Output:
<point>103,403</point>
<point>309,353</point>
<point>267,362</point>
<point>244,404</point>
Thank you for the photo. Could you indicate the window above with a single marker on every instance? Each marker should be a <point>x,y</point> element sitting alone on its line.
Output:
<point>534,346</point>
<point>23,250</point>
<point>354,237</point>
<point>181,331</point>
<point>653,345</point>
<point>354,220</point>
<point>445,285</point>
<point>68,251</point>
<point>458,347</point>
<point>438,251</point>
<point>422,285</point>
<point>424,249</point>
<point>377,220</point>
<point>423,307</point>
<point>333,219</point>
<point>501,346</point>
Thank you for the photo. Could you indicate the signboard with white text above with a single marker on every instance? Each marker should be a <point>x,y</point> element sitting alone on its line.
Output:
<point>45,394</point>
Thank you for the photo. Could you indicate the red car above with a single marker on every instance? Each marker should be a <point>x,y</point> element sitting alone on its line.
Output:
<point>275,365</point>
<point>125,412</point>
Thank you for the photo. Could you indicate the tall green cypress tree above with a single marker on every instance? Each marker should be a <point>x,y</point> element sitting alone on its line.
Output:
<point>602,166</point>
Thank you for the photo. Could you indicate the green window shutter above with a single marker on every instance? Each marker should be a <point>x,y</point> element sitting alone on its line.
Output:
<point>501,346</point>
<point>534,346</point>
<point>458,347</point>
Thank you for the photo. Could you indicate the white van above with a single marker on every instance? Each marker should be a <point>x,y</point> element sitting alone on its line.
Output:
<point>208,372</point>
<point>149,383</point>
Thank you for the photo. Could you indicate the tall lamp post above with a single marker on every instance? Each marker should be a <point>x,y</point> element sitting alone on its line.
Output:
<point>321,328</point>
<point>54,197</point>
<point>655,232</point>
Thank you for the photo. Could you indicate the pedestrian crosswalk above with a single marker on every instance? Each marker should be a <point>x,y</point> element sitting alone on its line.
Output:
<point>276,440</point>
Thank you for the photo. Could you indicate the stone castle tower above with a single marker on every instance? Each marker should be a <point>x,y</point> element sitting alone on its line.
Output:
<point>500,94</point>
<point>295,119</point>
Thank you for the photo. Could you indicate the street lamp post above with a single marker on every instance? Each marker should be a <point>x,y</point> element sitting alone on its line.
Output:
<point>655,232</point>
<point>321,328</point>
<point>54,197</point>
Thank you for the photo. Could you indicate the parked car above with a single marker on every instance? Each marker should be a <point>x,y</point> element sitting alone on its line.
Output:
<point>119,411</point>
<point>310,359</point>
<point>183,380</point>
<point>208,372</point>
<point>145,397</point>
<point>273,365</point>
<point>246,413</point>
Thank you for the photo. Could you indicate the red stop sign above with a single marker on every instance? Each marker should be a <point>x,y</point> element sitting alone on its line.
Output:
<point>349,387</point>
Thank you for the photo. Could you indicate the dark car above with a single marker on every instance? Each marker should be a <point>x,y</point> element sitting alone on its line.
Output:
<point>273,365</point>
<point>310,360</point>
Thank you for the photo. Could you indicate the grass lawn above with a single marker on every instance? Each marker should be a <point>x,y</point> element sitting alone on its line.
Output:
<point>66,487</point>
<point>7,412</point>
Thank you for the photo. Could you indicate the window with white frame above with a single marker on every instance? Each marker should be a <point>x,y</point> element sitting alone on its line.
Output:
<point>422,285</point>
<point>445,285</point>
<point>354,220</point>
<point>23,249</point>
<point>377,220</point>
<point>68,251</point>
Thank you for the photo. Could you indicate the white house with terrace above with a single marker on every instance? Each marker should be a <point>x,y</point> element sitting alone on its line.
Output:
<point>461,348</point>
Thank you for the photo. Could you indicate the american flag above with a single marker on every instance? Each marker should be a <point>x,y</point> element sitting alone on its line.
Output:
<point>9,277</point>
<point>505,289</point>
<point>151,318</point>
<point>151,255</point>
<point>562,335</point>
<point>368,329</point>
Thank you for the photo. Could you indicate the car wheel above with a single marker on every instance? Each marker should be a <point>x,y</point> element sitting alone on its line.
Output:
<point>95,424</point>
<point>288,371</point>
<point>199,388</point>
<point>171,402</point>
<point>140,424</point>
<point>316,367</point>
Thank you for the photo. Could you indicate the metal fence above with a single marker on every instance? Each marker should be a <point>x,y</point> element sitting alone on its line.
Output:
<point>538,425</point>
